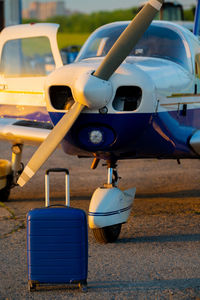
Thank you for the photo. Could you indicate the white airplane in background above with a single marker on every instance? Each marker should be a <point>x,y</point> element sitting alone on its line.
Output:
<point>133,92</point>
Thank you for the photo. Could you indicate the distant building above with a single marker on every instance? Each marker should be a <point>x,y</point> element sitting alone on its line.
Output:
<point>43,10</point>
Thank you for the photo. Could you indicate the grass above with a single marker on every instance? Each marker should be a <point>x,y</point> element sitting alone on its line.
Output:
<point>67,39</point>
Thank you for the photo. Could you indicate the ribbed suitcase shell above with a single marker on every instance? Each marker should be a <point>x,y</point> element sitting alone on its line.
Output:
<point>57,245</point>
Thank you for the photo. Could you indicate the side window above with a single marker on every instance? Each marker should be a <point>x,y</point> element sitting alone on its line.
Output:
<point>197,65</point>
<point>27,57</point>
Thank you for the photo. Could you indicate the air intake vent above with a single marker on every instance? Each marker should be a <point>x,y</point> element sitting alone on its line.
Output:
<point>61,97</point>
<point>127,98</point>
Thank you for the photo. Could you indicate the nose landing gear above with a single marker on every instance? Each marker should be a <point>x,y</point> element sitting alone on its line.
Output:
<point>109,208</point>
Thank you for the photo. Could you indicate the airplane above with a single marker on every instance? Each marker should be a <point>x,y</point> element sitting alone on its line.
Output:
<point>133,92</point>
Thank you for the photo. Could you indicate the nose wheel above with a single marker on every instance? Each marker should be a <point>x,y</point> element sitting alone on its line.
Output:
<point>107,234</point>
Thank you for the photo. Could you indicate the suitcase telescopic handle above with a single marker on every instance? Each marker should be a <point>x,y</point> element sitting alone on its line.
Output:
<point>67,194</point>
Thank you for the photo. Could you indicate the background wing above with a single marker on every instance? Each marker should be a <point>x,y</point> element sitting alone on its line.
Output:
<point>24,131</point>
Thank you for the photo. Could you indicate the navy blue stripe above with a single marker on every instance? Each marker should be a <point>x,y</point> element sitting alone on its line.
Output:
<point>110,213</point>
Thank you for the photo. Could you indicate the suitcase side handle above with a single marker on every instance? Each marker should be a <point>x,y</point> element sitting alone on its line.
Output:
<point>67,194</point>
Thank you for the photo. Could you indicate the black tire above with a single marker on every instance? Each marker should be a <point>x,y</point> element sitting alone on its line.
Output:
<point>4,194</point>
<point>107,234</point>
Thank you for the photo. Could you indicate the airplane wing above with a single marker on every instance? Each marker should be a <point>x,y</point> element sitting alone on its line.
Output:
<point>24,131</point>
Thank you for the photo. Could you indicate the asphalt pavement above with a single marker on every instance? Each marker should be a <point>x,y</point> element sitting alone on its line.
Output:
<point>157,255</point>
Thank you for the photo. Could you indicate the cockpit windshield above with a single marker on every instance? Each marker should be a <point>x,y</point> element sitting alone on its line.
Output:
<point>157,41</point>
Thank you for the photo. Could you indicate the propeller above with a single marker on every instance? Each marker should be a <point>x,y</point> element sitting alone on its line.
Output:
<point>120,50</point>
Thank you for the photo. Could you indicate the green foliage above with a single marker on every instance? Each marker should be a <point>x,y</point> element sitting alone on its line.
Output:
<point>189,14</point>
<point>87,23</point>
<point>29,21</point>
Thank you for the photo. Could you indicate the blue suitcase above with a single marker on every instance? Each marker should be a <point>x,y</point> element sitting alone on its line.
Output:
<point>57,243</point>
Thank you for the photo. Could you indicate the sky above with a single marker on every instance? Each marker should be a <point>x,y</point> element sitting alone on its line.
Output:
<point>88,6</point>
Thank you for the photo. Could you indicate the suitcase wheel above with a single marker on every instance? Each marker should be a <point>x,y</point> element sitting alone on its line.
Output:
<point>32,286</point>
<point>83,287</point>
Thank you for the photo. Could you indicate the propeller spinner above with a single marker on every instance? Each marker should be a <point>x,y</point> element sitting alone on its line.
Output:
<point>83,94</point>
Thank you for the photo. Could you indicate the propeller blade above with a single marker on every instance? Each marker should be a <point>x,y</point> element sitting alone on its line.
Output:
<point>51,142</point>
<point>128,39</point>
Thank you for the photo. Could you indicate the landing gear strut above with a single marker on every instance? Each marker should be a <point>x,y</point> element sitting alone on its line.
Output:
<point>113,177</point>
<point>17,166</point>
